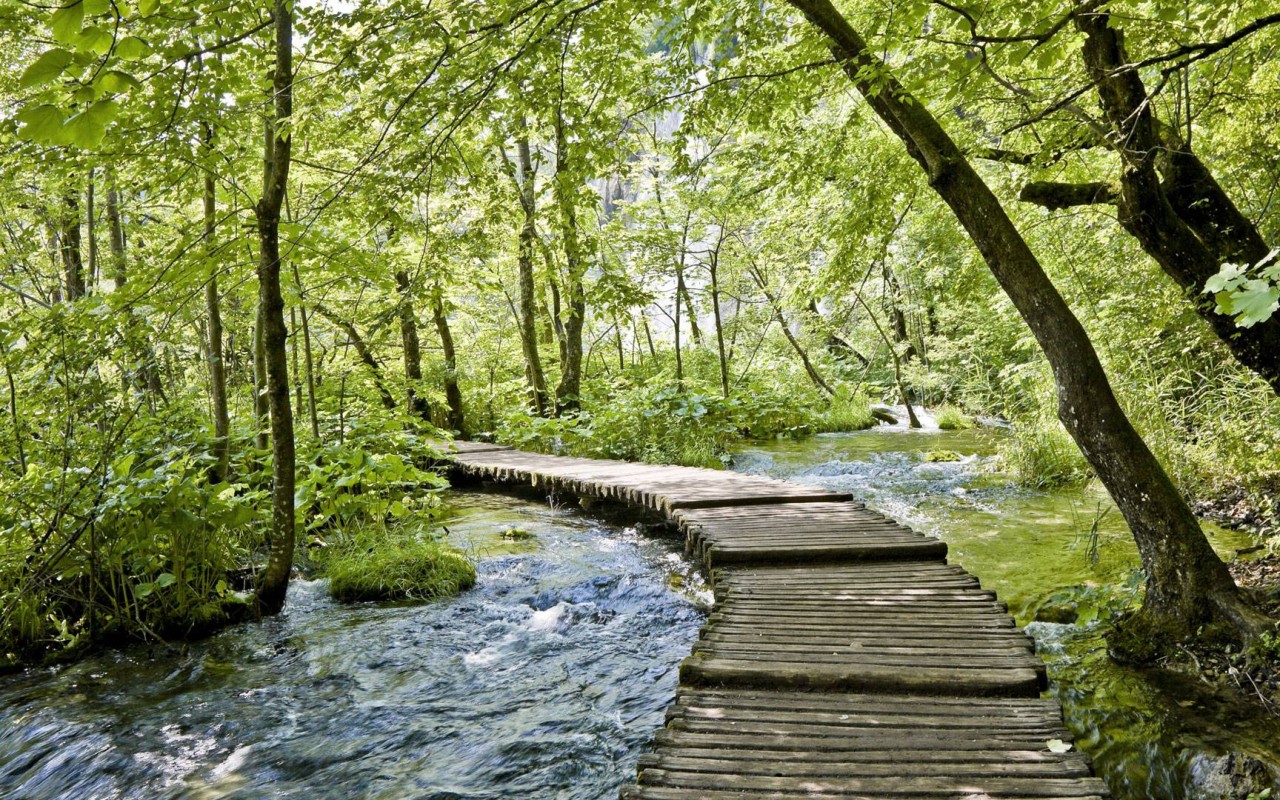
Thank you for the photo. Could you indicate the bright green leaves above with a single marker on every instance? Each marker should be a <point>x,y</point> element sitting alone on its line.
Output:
<point>131,48</point>
<point>1251,296</point>
<point>51,124</point>
<point>65,23</point>
<point>46,68</point>
<point>148,7</point>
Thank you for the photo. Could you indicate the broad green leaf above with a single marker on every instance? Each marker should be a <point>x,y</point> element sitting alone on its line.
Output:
<point>148,7</point>
<point>41,123</point>
<point>94,7</point>
<point>166,579</point>
<point>47,67</point>
<point>116,82</point>
<point>87,128</point>
<point>131,48</point>
<point>141,590</point>
<point>65,23</point>
<point>94,39</point>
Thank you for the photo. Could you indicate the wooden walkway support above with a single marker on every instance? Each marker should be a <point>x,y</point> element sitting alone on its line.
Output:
<point>844,657</point>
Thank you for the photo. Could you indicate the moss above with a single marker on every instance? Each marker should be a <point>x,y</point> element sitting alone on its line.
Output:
<point>950,418</point>
<point>942,456</point>
<point>514,534</point>
<point>377,564</point>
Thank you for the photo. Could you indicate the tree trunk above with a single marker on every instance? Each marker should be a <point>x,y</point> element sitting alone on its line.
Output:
<point>365,353</point>
<point>1186,222</point>
<point>214,346</point>
<point>900,332</point>
<point>306,355</point>
<point>528,296</point>
<point>714,269</point>
<point>69,246</point>
<point>412,347</point>
<point>1187,584</point>
<point>570,387</point>
<point>452,394</point>
<point>91,229</point>
<point>261,403</point>
<point>809,369</point>
<point>146,374</point>
<point>273,582</point>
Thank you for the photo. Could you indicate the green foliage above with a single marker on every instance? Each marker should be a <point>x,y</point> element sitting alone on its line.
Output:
<point>847,410</point>
<point>950,418</point>
<point>393,563</point>
<point>1039,453</point>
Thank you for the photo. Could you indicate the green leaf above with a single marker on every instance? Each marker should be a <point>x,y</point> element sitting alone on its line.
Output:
<point>65,23</point>
<point>141,590</point>
<point>42,123</point>
<point>116,82</point>
<point>94,39</point>
<point>87,128</point>
<point>398,510</point>
<point>131,48</point>
<point>148,7</point>
<point>1058,746</point>
<point>94,7</point>
<point>47,67</point>
<point>166,579</point>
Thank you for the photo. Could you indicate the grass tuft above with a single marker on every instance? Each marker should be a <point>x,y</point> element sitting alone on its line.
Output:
<point>951,418</point>
<point>381,564</point>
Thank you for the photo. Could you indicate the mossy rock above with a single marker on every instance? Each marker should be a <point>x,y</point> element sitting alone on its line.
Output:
<point>514,534</point>
<point>942,456</point>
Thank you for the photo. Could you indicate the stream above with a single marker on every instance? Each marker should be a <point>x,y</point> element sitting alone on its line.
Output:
<point>547,680</point>
<point>1151,735</point>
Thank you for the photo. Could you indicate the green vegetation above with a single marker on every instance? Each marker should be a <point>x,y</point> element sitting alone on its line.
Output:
<point>636,230</point>
<point>377,563</point>
<point>950,418</point>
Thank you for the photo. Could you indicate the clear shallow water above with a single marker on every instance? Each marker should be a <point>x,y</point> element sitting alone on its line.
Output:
<point>545,681</point>
<point>1149,733</point>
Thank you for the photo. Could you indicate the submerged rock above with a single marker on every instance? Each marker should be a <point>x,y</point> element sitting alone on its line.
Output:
<point>1232,776</point>
<point>884,415</point>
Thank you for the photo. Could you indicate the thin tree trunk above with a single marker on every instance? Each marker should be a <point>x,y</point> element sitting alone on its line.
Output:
<point>912,420</point>
<point>306,354</point>
<point>570,387</point>
<point>214,346</point>
<point>365,353</point>
<point>900,333</point>
<point>91,228</point>
<point>809,368</point>
<point>412,347</point>
<point>146,374</point>
<point>72,264</point>
<point>293,353</point>
<point>648,334</point>
<point>261,403</point>
<point>528,296</point>
<point>452,394</point>
<point>1187,584</point>
<point>714,269</point>
<point>273,582</point>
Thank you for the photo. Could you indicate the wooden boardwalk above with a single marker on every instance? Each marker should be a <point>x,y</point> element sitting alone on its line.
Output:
<point>844,657</point>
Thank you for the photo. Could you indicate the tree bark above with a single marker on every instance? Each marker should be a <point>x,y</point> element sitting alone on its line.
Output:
<point>306,355</point>
<point>412,347</point>
<point>1186,222</point>
<point>261,403</point>
<point>273,581</point>
<point>528,296</point>
<point>69,247</point>
<point>214,346</point>
<point>570,387</point>
<point>452,394</point>
<point>91,229</point>
<point>809,368</point>
<point>146,373</point>
<point>713,268</point>
<point>1187,584</point>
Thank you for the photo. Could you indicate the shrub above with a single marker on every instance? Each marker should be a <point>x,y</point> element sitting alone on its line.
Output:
<point>1040,453</point>
<point>379,563</point>
<point>847,411</point>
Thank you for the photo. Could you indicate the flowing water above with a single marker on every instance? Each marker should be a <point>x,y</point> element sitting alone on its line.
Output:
<point>545,681</point>
<point>1151,735</point>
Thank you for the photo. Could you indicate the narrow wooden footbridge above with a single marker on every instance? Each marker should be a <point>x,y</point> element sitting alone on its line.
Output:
<point>844,658</point>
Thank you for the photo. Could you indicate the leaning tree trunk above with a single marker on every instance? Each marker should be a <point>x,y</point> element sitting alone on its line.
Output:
<point>1187,584</point>
<point>214,347</point>
<point>412,347</point>
<point>273,581</point>
<point>365,353</point>
<point>528,296</point>
<point>146,374</point>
